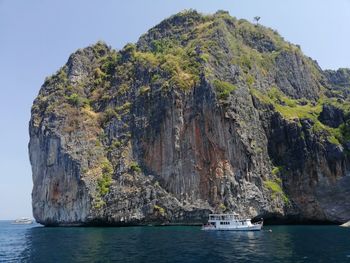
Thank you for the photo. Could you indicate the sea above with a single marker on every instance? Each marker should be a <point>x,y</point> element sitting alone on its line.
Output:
<point>35,243</point>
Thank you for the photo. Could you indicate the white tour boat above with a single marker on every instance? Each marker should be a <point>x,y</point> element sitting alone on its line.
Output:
<point>231,222</point>
<point>22,221</point>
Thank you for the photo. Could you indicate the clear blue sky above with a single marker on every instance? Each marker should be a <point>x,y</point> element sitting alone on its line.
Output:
<point>37,36</point>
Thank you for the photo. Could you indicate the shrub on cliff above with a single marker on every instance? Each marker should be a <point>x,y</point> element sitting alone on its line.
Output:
<point>223,89</point>
<point>77,101</point>
<point>135,167</point>
<point>106,180</point>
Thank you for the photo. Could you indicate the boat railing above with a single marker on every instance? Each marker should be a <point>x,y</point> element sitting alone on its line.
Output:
<point>230,217</point>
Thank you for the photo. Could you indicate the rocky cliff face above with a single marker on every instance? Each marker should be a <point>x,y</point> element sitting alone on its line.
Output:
<point>203,114</point>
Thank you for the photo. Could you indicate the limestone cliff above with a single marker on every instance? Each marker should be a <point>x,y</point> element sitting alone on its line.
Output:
<point>205,113</point>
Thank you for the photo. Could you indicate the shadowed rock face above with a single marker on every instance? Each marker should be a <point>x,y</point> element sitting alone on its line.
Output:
<point>204,114</point>
<point>331,116</point>
<point>294,76</point>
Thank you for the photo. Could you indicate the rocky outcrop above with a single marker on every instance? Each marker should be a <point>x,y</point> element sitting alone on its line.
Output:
<point>339,80</point>
<point>340,77</point>
<point>331,116</point>
<point>204,114</point>
<point>294,76</point>
<point>313,173</point>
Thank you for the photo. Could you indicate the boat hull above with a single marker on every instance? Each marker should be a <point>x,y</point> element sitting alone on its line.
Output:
<point>232,229</point>
<point>254,227</point>
<point>22,223</point>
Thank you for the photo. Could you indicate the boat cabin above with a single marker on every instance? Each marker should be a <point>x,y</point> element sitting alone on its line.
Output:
<point>230,222</point>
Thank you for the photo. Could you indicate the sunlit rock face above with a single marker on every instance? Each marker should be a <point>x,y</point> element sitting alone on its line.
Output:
<point>205,113</point>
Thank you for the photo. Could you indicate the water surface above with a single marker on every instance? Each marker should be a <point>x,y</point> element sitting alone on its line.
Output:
<point>23,243</point>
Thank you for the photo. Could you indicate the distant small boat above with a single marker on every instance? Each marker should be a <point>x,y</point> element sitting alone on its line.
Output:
<point>231,222</point>
<point>22,221</point>
<point>347,224</point>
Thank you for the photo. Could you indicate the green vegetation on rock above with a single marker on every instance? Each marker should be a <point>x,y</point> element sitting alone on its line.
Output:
<point>298,109</point>
<point>134,166</point>
<point>105,181</point>
<point>223,89</point>
<point>222,207</point>
<point>159,209</point>
<point>75,100</point>
<point>123,109</point>
<point>144,90</point>
<point>116,143</point>
<point>275,187</point>
<point>276,170</point>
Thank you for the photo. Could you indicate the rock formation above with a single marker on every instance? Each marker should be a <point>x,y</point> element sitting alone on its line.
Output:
<point>205,113</point>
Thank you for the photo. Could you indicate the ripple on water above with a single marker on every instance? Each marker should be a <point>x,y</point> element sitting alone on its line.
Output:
<point>173,244</point>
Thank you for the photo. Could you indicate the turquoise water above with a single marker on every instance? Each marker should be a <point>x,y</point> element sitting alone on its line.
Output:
<point>20,243</point>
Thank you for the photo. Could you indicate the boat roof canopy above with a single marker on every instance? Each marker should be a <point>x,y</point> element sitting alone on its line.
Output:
<point>233,214</point>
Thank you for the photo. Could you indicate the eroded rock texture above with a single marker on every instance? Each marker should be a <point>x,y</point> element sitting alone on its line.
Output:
<point>204,114</point>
